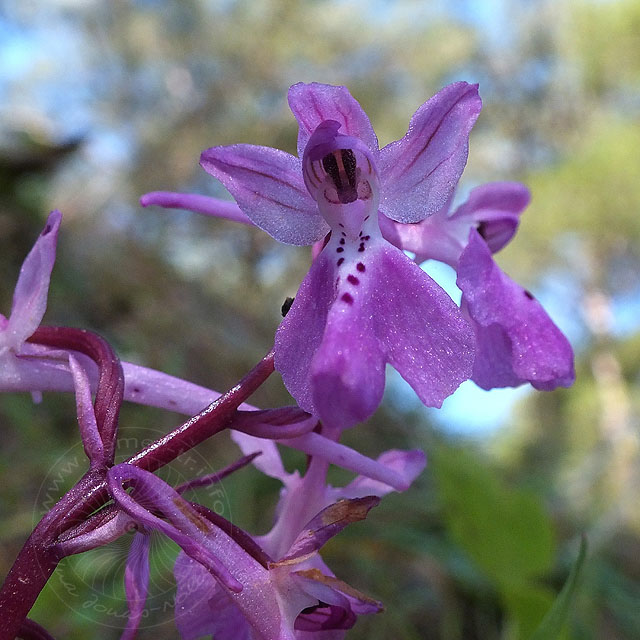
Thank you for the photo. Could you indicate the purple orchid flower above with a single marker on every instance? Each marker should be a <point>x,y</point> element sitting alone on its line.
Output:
<point>30,295</point>
<point>363,303</point>
<point>222,566</point>
<point>516,341</point>
<point>308,514</point>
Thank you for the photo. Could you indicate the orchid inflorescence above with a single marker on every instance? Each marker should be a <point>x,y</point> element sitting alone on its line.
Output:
<point>363,304</point>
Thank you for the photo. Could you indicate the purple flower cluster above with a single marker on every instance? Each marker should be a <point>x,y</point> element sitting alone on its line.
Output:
<point>363,304</point>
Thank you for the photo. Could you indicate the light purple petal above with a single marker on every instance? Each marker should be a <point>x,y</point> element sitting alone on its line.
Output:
<point>495,208</point>
<point>269,461</point>
<point>435,238</point>
<point>426,338</point>
<point>205,205</point>
<point>420,171</point>
<point>332,351</point>
<point>202,607</point>
<point>517,341</point>
<point>407,464</point>
<point>313,103</point>
<point>268,186</point>
<point>136,582</point>
<point>386,475</point>
<point>301,331</point>
<point>32,288</point>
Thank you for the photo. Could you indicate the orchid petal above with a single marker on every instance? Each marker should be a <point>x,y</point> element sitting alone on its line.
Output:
<point>407,464</point>
<point>267,184</point>
<point>328,523</point>
<point>136,582</point>
<point>269,462</point>
<point>32,288</point>
<point>300,333</point>
<point>202,606</point>
<point>312,103</point>
<point>185,526</point>
<point>332,352</point>
<point>517,341</point>
<point>205,205</point>
<point>495,207</point>
<point>91,439</point>
<point>420,171</point>
<point>426,338</point>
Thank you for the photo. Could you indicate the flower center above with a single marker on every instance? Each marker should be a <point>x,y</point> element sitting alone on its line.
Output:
<point>340,175</point>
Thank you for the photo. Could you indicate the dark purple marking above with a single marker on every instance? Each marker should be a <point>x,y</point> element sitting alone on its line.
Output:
<point>352,279</point>
<point>347,297</point>
<point>529,295</point>
<point>367,218</point>
<point>47,229</point>
<point>360,235</point>
<point>340,225</point>
<point>341,240</point>
<point>343,233</point>
<point>361,247</point>
<point>339,249</point>
<point>360,267</point>
<point>366,238</point>
<point>340,261</point>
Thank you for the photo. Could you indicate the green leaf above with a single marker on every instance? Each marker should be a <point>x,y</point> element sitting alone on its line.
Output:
<point>551,625</point>
<point>504,530</point>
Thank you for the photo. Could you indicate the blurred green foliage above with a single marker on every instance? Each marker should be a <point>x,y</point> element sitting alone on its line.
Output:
<point>481,545</point>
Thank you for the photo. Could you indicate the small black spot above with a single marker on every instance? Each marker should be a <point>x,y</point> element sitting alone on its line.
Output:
<point>347,297</point>
<point>340,261</point>
<point>341,240</point>
<point>286,305</point>
<point>360,267</point>
<point>367,218</point>
<point>529,295</point>
<point>343,233</point>
<point>135,390</point>
<point>340,225</point>
<point>367,238</point>
<point>352,279</point>
<point>339,249</point>
<point>361,247</point>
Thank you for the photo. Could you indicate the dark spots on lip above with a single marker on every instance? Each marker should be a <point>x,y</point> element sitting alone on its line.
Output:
<point>343,233</point>
<point>352,279</point>
<point>366,238</point>
<point>360,267</point>
<point>340,261</point>
<point>361,247</point>
<point>286,305</point>
<point>341,240</point>
<point>529,295</point>
<point>367,218</point>
<point>135,390</point>
<point>339,249</point>
<point>340,225</point>
<point>347,297</point>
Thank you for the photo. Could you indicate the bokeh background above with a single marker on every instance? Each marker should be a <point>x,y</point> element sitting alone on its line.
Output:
<point>103,101</point>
